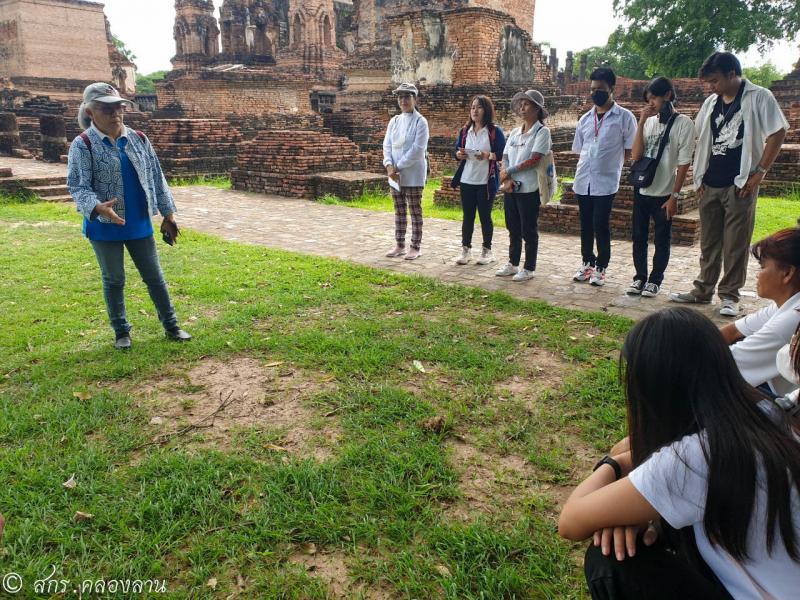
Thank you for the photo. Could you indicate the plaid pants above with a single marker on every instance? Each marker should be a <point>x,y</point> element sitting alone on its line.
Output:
<point>410,197</point>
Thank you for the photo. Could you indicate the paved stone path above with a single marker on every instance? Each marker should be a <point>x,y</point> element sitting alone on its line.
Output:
<point>363,237</point>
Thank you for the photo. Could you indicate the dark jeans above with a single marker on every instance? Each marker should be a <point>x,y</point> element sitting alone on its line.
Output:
<point>655,573</point>
<point>595,212</point>
<point>476,198</point>
<point>645,207</point>
<point>522,222</point>
<point>110,257</point>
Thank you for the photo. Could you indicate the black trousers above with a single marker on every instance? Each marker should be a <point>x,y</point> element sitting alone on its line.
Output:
<point>476,198</point>
<point>655,573</point>
<point>522,222</point>
<point>595,212</point>
<point>645,208</point>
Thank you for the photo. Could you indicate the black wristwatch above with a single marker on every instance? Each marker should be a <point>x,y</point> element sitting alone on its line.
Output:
<point>607,460</point>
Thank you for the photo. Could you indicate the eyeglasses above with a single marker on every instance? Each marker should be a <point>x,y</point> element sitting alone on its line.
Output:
<point>110,109</point>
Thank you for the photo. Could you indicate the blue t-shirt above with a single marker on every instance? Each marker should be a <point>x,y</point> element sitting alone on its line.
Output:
<point>137,218</point>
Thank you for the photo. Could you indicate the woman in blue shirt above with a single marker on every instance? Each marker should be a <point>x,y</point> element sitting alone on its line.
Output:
<point>116,181</point>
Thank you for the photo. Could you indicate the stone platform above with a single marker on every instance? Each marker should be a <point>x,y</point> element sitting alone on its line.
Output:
<point>349,185</point>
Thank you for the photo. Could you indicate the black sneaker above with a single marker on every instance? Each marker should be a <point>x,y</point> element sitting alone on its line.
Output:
<point>177,334</point>
<point>123,341</point>
<point>635,288</point>
<point>651,290</point>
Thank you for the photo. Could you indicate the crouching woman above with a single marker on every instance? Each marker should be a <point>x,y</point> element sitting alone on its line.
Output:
<point>710,461</point>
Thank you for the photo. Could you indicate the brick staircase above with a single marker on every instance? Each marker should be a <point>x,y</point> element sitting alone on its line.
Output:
<point>50,189</point>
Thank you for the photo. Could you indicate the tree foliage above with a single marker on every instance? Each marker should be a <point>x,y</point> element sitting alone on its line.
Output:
<point>765,75</point>
<point>146,84</point>
<point>123,49</point>
<point>675,37</point>
<point>619,54</point>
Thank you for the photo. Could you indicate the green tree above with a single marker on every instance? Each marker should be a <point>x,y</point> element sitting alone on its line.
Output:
<point>146,84</point>
<point>124,50</point>
<point>765,75</point>
<point>620,54</point>
<point>675,37</point>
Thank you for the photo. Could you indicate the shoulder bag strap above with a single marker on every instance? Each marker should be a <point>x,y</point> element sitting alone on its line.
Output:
<point>665,137</point>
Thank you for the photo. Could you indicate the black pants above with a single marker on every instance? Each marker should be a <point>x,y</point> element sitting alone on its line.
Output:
<point>476,197</point>
<point>595,212</point>
<point>645,207</point>
<point>655,573</point>
<point>522,222</point>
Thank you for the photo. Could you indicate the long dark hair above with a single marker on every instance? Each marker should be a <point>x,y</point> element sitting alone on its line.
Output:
<point>680,379</point>
<point>488,111</point>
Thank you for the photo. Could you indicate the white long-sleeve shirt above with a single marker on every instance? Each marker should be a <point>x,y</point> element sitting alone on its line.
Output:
<point>404,146</point>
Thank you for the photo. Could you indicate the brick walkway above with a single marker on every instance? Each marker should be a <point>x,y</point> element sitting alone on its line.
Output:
<point>363,237</point>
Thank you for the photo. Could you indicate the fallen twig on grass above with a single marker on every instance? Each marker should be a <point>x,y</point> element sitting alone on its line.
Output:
<point>166,437</point>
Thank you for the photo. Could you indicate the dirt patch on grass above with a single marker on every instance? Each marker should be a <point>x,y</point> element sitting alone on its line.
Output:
<point>219,399</point>
<point>490,483</point>
<point>538,370</point>
<point>331,569</point>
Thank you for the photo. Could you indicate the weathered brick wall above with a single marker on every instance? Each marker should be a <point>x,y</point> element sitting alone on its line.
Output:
<point>194,147</point>
<point>463,46</point>
<point>74,46</point>
<point>255,94</point>
<point>521,10</point>
<point>285,162</point>
<point>689,90</point>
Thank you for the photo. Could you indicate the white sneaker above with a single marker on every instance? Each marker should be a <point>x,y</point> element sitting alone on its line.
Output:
<point>523,275</point>
<point>466,256</point>
<point>598,278</point>
<point>651,290</point>
<point>486,256</point>
<point>507,270</point>
<point>729,308</point>
<point>584,273</point>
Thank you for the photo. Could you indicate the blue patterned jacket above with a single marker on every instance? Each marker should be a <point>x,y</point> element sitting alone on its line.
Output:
<point>94,176</point>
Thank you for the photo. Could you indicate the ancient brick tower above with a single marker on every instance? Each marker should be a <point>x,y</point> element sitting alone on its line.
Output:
<point>196,34</point>
<point>372,15</point>
<point>253,30</point>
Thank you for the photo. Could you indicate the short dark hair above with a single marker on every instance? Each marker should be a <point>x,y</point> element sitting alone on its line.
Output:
<point>660,86</point>
<point>720,62</point>
<point>604,74</point>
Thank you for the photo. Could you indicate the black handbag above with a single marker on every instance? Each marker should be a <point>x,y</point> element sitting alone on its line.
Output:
<point>643,171</point>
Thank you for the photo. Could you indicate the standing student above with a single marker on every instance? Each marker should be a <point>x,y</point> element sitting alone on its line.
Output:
<point>740,131</point>
<point>479,147</point>
<point>710,460</point>
<point>659,200</point>
<point>604,138</point>
<point>527,146</point>
<point>404,155</point>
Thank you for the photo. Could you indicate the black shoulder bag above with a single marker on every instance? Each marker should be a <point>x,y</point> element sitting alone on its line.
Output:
<point>643,171</point>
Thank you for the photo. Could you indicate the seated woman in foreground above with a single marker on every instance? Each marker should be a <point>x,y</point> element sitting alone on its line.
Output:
<point>756,339</point>
<point>708,456</point>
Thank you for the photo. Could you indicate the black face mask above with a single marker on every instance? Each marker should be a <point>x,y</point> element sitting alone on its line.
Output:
<point>600,97</point>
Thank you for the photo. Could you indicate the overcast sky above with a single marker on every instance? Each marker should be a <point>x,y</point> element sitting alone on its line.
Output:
<point>146,27</point>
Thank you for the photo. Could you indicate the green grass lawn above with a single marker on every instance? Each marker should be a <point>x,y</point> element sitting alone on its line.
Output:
<point>373,435</point>
<point>772,213</point>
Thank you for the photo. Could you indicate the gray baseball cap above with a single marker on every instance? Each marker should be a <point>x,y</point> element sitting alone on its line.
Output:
<point>103,92</point>
<point>534,96</point>
<point>406,88</point>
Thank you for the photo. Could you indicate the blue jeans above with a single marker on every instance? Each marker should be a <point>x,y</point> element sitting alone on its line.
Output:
<point>110,257</point>
<point>645,207</point>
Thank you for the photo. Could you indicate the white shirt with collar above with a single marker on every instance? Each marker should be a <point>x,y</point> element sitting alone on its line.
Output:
<point>404,146</point>
<point>762,117</point>
<point>476,172</point>
<point>766,331</point>
<point>602,145</point>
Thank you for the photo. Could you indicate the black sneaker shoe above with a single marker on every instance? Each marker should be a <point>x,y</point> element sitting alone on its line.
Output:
<point>635,288</point>
<point>178,335</point>
<point>123,341</point>
<point>651,290</point>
